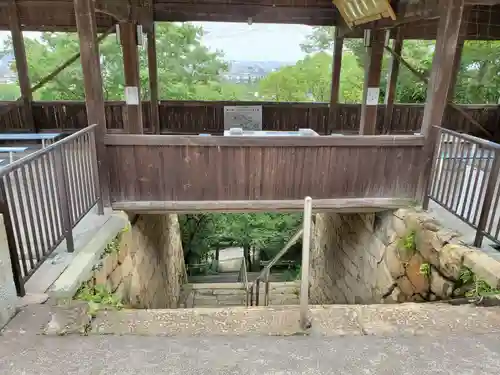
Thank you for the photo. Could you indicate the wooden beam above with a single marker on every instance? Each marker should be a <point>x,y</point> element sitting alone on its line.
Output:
<point>128,35</point>
<point>336,68</point>
<point>335,205</point>
<point>21,64</point>
<point>373,68</point>
<point>392,80</point>
<point>92,79</point>
<point>455,70</point>
<point>442,63</point>
<point>195,140</point>
<point>153,82</point>
<point>450,22</point>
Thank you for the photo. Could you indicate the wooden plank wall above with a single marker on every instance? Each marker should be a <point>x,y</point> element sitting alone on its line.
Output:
<point>190,117</point>
<point>191,168</point>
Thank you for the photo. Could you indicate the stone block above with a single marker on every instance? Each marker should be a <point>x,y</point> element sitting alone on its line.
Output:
<point>127,266</point>
<point>441,287</point>
<point>101,275</point>
<point>425,241</point>
<point>451,259</point>
<point>399,226</point>
<point>405,286</point>
<point>419,281</point>
<point>392,260</point>
<point>484,267</point>
<point>122,254</point>
<point>115,278</point>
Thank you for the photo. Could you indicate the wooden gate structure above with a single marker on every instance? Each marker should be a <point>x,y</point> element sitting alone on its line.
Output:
<point>142,169</point>
<point>141,161</point>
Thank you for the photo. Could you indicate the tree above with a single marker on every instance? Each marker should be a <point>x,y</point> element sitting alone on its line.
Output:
<point>186,68</point>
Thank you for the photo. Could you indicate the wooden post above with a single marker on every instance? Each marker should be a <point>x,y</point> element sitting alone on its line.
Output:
<point>371,91</point>
<point>94,97</point>
<point>304,280</point>
<point>21,65</point>
<point>440,82</point>
<point>456,69</point>
<point>153,82</point>
<point>128,35</point>
<point>451,13</point>
<point>336,68</point>
<point>392,80</point>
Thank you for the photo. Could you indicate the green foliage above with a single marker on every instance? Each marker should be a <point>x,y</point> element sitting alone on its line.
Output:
<point>98,297</point>
<point>425,270</point>
<point>407,243</point>
<point>9,91</point>
<point>202,233</point>
<point>479,287</point>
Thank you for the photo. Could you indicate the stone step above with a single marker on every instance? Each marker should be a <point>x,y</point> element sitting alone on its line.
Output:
<point>334,320</point>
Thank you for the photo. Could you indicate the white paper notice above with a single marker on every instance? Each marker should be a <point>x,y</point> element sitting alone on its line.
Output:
<point>131,95</point>
<point>372,96</point>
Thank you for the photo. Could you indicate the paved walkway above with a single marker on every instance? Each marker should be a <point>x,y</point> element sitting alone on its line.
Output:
<point>123,355</point>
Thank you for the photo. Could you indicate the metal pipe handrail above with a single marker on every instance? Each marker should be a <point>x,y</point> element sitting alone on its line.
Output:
<point>471,138</point>
<point>35,155</point>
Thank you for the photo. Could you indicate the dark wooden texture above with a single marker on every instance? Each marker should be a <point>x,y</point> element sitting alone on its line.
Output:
<point>128,35</point>
<point>373,69</point>
<point>336,68</point>
<point>441,77</point>
<point>207,117</point>
<point>92,79</point>
<point>43,196</point>
<point>418,19</point>
<point>392,80</point>
<point>21,63</point>
<point>191,168</point>
<point>440,82</point>
<point>153,82</point>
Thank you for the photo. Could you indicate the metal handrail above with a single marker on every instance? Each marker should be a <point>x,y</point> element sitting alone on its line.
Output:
<point>264,274</point>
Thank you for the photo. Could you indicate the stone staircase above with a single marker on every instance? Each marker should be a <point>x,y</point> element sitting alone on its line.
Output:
<point>233,294</point>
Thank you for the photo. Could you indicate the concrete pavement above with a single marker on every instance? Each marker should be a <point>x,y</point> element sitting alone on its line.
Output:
<point>422,355</point>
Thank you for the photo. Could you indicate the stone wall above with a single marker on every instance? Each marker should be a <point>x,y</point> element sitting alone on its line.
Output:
<point>145,266</point>
<point>398,256</point>
<point>8,295</point>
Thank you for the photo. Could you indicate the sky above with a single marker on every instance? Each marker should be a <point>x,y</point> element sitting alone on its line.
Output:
<point>240,41</point>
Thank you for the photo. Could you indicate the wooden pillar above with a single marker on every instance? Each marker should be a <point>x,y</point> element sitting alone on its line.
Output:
<point>371,91</point>
<point>336,68</point>
<point>21,65</point>
<point>441,80</point>
<point>456,69</point>
<point>92,80</point>
<point>128,35</point>
<point>153,82</point>
<point>392,81</point>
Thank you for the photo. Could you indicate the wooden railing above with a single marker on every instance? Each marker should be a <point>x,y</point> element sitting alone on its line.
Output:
<point>44,195</point>
<point>194,117</point>
<point>465,181</point>
<point>187,170</point>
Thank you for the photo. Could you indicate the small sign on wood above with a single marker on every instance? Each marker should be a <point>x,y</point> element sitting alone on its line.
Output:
<point>131,95</point>
<point>247,117</point>
<point>372,95</point>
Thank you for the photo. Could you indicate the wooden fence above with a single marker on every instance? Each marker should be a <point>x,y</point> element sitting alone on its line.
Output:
<point>167,168</point>
<point>192,117</point>
<point>42,198</point>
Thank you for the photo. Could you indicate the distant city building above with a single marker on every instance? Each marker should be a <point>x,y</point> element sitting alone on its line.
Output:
<point>252,71</point>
